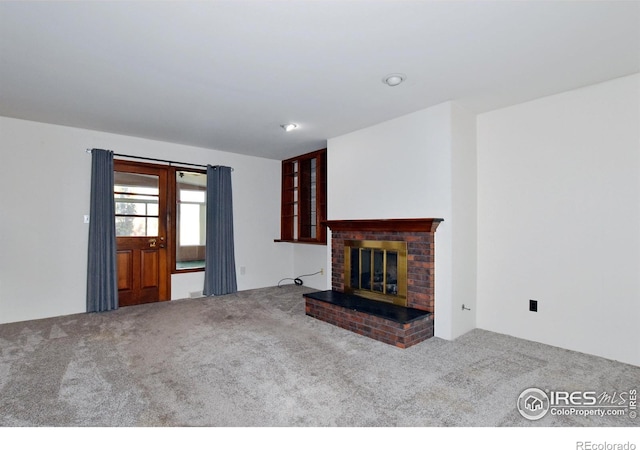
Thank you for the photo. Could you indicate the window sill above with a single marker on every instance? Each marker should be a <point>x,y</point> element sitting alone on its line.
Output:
<point>296,241</point>
<point>179,271</point>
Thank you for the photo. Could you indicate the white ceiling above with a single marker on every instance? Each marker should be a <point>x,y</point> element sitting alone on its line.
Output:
<point>225,74</point>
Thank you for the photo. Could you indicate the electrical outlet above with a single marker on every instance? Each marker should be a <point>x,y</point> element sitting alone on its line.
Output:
<point>322,271</point>
<point>533,305</point>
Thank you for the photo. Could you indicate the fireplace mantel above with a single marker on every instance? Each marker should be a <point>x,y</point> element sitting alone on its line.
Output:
<point>385,225</point>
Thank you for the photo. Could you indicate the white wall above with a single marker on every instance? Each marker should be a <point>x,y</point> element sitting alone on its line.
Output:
<point>44,193</point>
<point>308,259</point>
<point>464,211</point>
<point>559,220</point>
<point>396,169</point>
<point>404,168</point>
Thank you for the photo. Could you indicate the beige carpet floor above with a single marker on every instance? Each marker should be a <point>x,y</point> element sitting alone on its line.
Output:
<point>254,359</point>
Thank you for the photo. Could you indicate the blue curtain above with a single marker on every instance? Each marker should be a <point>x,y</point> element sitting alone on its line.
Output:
<point>220,264</point>
<point>102,275</point>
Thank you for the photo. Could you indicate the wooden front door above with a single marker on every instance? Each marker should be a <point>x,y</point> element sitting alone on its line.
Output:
<point>140,192</point>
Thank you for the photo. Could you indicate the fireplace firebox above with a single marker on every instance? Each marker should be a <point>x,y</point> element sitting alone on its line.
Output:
<point>376,270</point>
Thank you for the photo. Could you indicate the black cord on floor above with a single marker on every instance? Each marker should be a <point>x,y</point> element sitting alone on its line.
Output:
<point>298,280</point>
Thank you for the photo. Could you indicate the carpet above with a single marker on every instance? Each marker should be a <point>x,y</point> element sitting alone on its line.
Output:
<point>253,359</point>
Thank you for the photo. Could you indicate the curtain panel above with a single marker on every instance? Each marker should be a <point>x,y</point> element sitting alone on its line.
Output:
<point>220,265</point>
<point>102,275</point>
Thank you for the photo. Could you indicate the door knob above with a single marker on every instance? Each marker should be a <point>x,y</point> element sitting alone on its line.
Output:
<point>152,242</point>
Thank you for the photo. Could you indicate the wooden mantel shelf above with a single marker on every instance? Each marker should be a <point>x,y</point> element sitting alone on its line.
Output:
<point>404,225</point>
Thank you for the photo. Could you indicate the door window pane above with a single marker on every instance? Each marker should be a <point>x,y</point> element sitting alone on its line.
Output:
<point>136,226</point>
<point>136,201</point>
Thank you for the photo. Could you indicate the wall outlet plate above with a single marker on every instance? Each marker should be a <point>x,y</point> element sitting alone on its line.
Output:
<point>533,305</point>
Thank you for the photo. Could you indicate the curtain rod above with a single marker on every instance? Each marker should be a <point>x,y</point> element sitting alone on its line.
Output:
<point>89,150</point>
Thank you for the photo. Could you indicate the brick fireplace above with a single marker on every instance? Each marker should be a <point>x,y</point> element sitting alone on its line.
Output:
<point>402,326</point>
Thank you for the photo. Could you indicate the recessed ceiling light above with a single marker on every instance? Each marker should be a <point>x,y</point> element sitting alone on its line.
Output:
<point>289,126</point>
<point>394,79</point>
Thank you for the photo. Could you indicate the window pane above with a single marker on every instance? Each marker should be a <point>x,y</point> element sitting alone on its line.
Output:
<point>306,197</point>
<point>136,195</point>
<point>152,226</point>
<point>192,196</point>
<point>136,183</point>
<point>136,226</point>
<point>127,208</point>
<point>189,224</point>
<point>191,219</point>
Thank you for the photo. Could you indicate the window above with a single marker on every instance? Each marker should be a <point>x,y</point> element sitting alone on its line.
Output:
<point>136,200</point>
<point>191,217</point>
<point>304,194</point>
